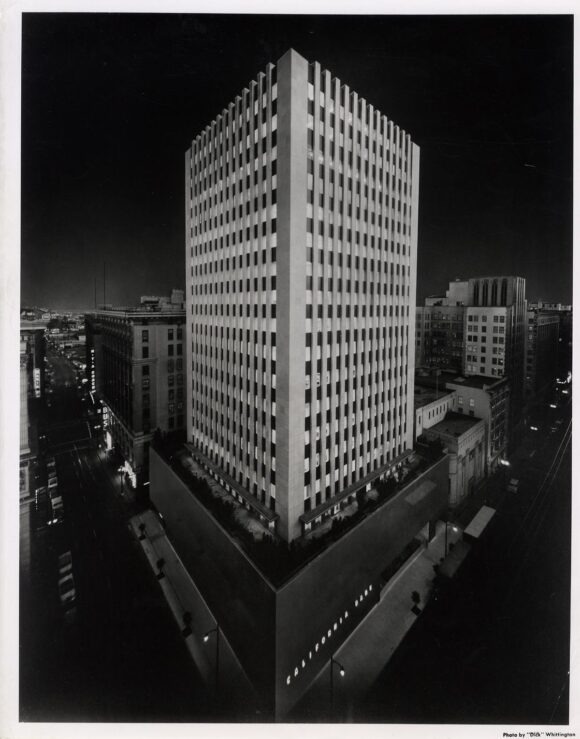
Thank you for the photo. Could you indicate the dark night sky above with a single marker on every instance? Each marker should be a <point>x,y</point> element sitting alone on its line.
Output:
<point>111,102</point>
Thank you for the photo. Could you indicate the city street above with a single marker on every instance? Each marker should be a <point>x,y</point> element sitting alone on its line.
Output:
<point>494,646</point>
<point>121,657</point>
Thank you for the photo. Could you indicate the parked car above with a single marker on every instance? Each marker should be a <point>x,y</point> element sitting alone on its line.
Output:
<point>53,482</point>
<point>57,511</point>
<point>65,563</point>
<point>66,589</point>
<point>55,497</point>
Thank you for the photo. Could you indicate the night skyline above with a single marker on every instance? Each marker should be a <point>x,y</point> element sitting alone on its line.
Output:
<point>110,104</point>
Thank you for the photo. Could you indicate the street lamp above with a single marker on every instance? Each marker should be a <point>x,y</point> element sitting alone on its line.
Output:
<point>206,636</point>
<point>446,527</point>
<point>341,672</point>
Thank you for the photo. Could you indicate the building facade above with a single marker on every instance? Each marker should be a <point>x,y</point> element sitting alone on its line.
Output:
<point>431,407</point>
<point>135,363</point>
<point>542,346</point>
<point>440,336</point>
<point>32,388</point>
<point>564,315</point>
<point>477,328</point>
<point>464,438</point>
<point>440,328</point>
<point>486,398</point>
<point>496,323</point>
<point>301,238</point>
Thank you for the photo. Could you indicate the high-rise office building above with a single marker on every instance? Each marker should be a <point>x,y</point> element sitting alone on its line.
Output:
<point>301,240</point>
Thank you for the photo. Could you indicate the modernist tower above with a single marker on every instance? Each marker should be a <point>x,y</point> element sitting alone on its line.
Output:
<point>301,242</point>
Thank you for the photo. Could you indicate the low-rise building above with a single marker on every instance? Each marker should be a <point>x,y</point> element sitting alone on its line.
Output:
<point>486,398</point>
<point>464,438</point>
<point>431,407</point>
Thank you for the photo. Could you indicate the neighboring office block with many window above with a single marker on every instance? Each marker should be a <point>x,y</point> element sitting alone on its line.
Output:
<point>542,339</point>
<point>302,205</point>
<point>499,304</point>
<point>140,359</point>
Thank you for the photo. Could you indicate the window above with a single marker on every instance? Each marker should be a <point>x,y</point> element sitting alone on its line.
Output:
<point>145,335</point>
<point>145,352</point>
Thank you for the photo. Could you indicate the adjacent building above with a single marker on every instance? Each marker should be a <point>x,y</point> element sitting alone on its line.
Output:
<point>495,334</point>
<point>542,346</point>
<point>478,328</point>
<point>440,328</point>
<point>431,407</point>
<point>464,439</point>
<point>485,398</point>
<point>32,367</point>
<point>564,314</point>
<point>302,204</point>
<point>135,364</point>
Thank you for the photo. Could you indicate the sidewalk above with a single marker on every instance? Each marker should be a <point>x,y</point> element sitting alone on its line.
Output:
<point>369,648</point>
<point>183,596</point>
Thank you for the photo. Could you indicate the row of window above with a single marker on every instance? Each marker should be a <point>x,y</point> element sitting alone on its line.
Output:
<point>374,149</point>
<point>205,144</point>
<point>359,107</point>
<point>476,338</point>
<point>171,334</point>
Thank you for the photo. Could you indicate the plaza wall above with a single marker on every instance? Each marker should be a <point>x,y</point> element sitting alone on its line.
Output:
<point>274,631</point>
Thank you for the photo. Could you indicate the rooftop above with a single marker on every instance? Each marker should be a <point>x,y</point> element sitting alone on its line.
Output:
<point>247,521</point>
<point>429,377</point>
<point>425,396</point>
<point>34,325</point>
<point>455,424</point>
<point>140,312</point>
<point>477,381</point>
